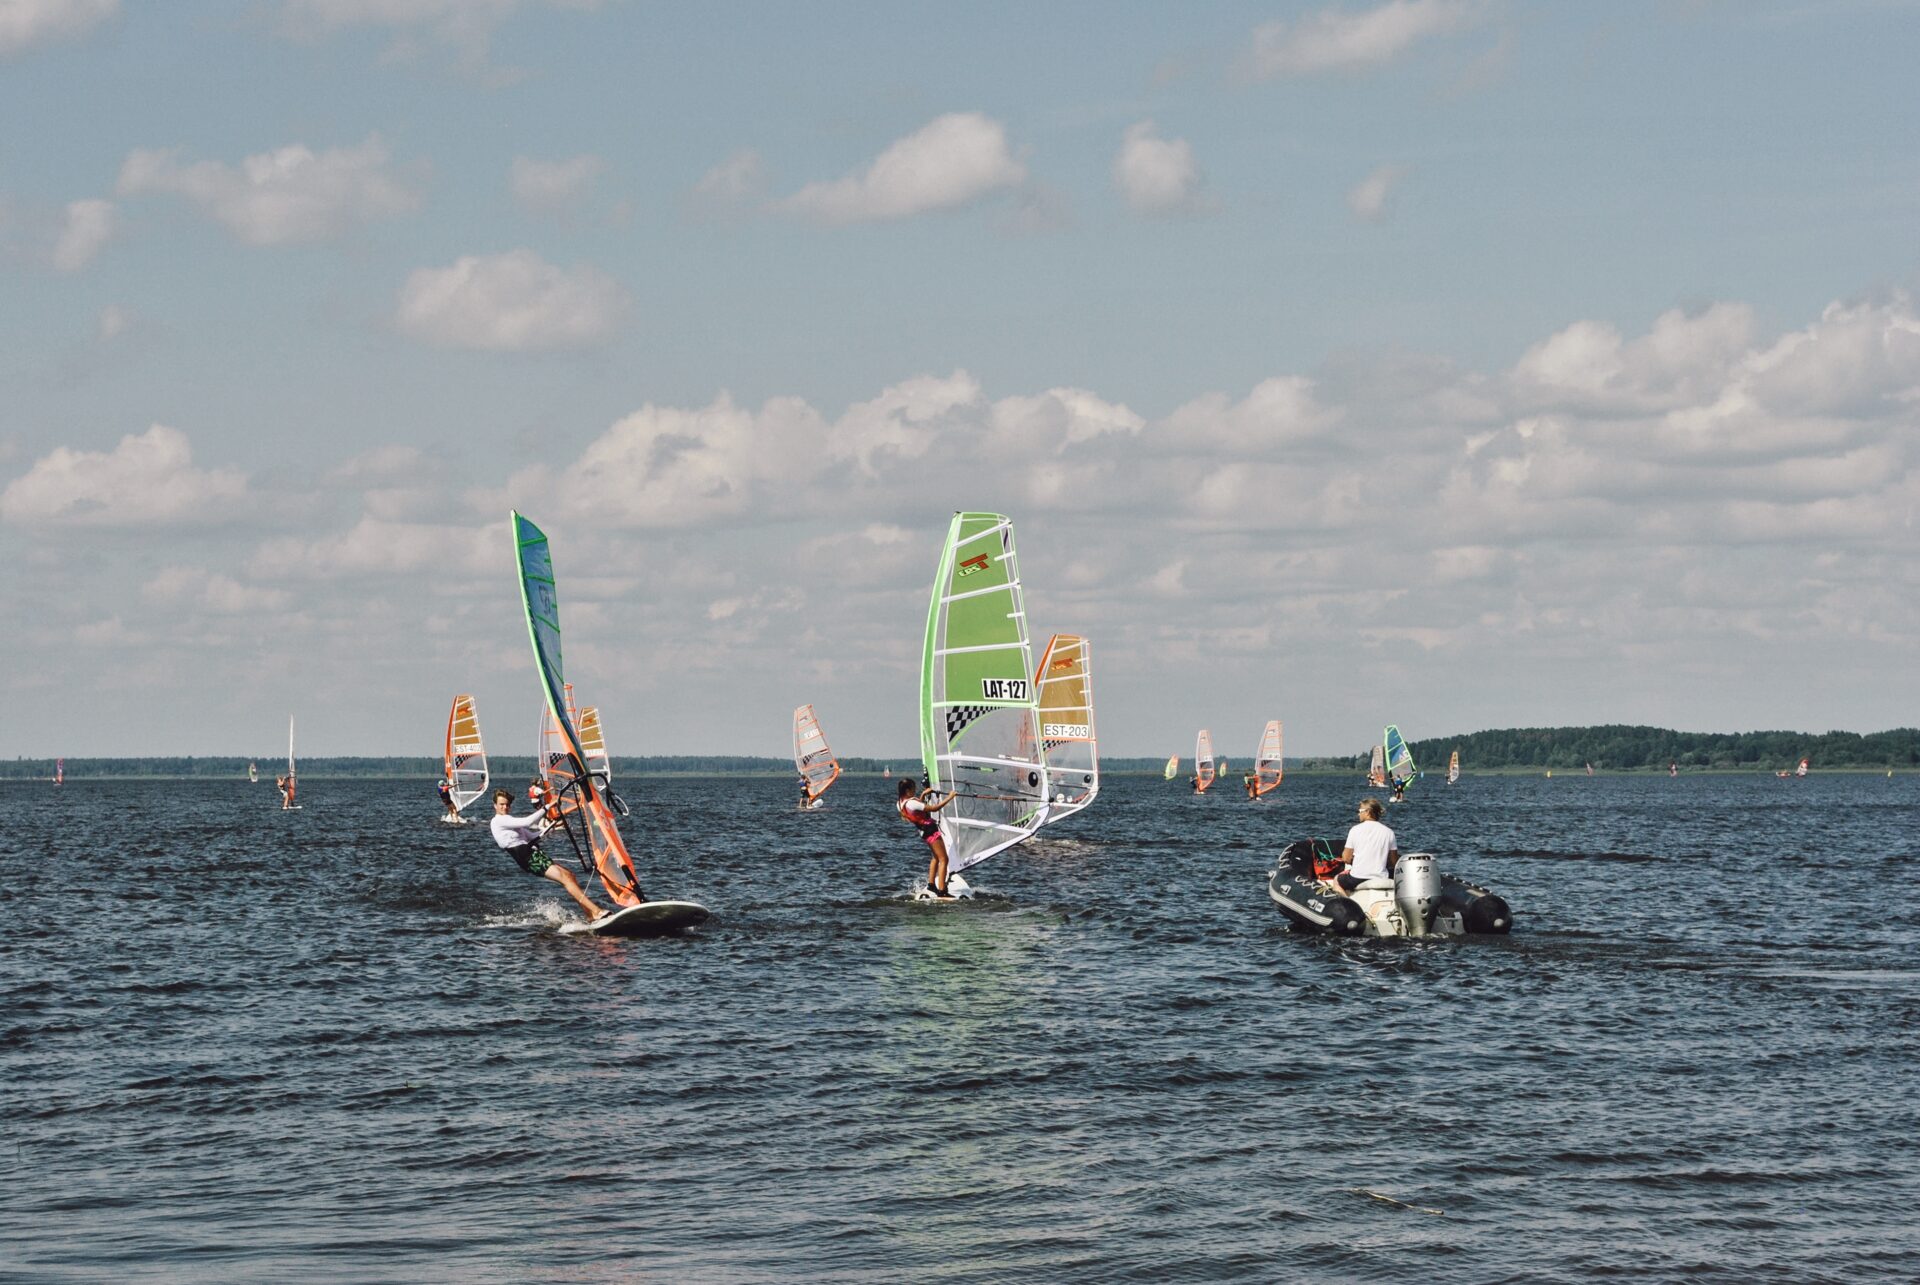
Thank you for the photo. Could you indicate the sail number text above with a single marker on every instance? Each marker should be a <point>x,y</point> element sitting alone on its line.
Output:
<point>1003,689</point>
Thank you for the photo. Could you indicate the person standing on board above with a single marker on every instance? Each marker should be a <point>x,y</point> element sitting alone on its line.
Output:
<point>285,785</point>
<point>520,836</point>
<point>1371,851</point>
<point>918,813</point>
<point>446,800</point>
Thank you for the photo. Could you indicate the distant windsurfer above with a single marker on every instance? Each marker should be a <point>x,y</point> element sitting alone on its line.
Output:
<point>806,793</point>
<point>520,836</point>
<point>1399,789</point>
<point>1252,791</point>
<point>917,811</point>
<point>1370,852</point>
<point>285,783</point>
<point>446,801</point>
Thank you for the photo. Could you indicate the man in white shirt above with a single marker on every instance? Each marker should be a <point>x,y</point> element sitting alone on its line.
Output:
<point>519,835</point>
<point>1370,851</point>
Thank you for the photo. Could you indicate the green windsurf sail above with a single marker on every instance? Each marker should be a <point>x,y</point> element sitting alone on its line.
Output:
<point>979,714</point>
<point>1400,768</point>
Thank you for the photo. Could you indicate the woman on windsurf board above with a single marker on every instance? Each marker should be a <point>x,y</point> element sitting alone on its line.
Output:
<point>446,801</point>
<point>918,813</point>
<point>520,836</point>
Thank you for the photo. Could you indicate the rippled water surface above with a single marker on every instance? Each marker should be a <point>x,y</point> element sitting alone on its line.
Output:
<point>349,1043</point>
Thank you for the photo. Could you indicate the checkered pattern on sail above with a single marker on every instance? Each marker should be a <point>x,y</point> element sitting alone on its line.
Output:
<point>958,716</point>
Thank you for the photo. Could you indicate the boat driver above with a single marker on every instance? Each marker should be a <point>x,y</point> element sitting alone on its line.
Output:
<point>1371,851</point>
<point>520,836</point>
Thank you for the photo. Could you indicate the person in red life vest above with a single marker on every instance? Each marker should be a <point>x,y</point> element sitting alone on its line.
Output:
<point>918,812</point>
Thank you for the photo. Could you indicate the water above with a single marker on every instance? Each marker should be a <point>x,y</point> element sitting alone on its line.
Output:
<point>349,1043</point>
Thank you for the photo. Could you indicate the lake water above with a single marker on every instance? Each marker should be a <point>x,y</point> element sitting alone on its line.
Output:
<point>348,1043</point>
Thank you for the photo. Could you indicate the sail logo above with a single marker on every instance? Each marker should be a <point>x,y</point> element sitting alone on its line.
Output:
<point>1003,689</point>
<point>978,562</point>
<point>1064,662</point>
<point>1066,731</point>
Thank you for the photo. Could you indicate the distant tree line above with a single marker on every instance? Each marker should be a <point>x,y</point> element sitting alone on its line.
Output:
<point>1617,747</point>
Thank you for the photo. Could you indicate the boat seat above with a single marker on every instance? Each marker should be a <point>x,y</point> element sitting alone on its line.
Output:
<point>1374,885</point>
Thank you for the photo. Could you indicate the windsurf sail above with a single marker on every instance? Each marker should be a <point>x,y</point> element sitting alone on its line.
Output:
<point>288,801</point>
<point>1399,758</point>
<point>466,757</point>
<point>1268,770</point>
<point>578,803</point>
<point>1802,769</point>
<point>253,773</point>
<point>1453,767</point>
<point>812,758</point>
<point>1173,767</point>
<point>60,772</point>
<point>979,720</point>
<point>1202,761</point>
<point>1065,685</point>
<point>1377,769</point>
<point>594,741</point>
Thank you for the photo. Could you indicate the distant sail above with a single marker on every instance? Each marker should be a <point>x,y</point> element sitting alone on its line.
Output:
<point>1173,767</point>
<point>253,773</point>
<point>1203,761</point>
<point>594,741</point>
<point>466,758</point>
<point>979,719</point>
<point>292,788</point>
<point>1399,757</point>
<point>1377,769</point>
<point>1453,767</point>
<point>554,759</point>
<point>578,799</point>
<point>1268,770</point>
<point>60,771</point>
<point>1802,769</point>
<point>1589,769</point>
<point>1064,683</point>
<point>812,758</point>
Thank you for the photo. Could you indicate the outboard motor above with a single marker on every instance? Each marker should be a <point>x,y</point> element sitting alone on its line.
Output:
<point>1416,891</point>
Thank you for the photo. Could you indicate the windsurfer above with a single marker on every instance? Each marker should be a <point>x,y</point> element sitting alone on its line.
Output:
<point>1371,852</point>
<point>917,811</point>
<point>286,790</point>
<point>520,837</point>
<point>1252,792</point>
<point>446,800</point>
<point>1399,789</point>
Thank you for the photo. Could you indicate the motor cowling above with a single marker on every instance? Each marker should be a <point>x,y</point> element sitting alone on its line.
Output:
<point>1416,891</point>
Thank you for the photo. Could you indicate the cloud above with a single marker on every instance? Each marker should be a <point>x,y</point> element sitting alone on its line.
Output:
<point>1156,175</point>
<point>513,302</point>
<point>549,187</point>
<point>30,24</point>
<point>950,162</point>
<point>196,587</point>
<point>87,227</point>
<point>382,548</point>
<point>467,26</point>
<point>289,195</point>
<point>736,183</point>
<point>147,480</point>
<point>1335,39</point>
<point>1368,199</point>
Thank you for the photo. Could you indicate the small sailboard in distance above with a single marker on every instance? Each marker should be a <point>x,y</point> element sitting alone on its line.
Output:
<point>648,919</point>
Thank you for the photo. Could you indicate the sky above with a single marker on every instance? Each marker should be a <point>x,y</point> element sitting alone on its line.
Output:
<point>1453,363</point>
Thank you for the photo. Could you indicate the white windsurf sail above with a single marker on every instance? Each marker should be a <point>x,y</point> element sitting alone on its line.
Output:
<point>253,773</point>
<point>1203,761</point>
<point>812,758</point>
<point>1377,769</point>
<point>1268,770</point>
<point>979,720</point>
<point>1802,769</point>
<point>1173,767</point>
<point>466,757</point>
<point>1453,767</point>
<point>593,739</point>
<point>1065,687</point>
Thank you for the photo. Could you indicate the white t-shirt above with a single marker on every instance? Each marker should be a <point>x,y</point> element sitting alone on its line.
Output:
<point>512,831</point>
<point>1371,841</point>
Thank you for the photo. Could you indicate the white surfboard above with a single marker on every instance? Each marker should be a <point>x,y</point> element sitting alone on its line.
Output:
<point>648,919</point>
<point>957,888</point>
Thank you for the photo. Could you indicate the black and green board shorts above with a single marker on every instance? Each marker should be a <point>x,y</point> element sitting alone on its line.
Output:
<point>530,858</point>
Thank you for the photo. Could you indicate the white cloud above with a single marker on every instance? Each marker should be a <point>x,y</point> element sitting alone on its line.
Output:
<point>733,184</point>
<point>30,24</point>
<point>513,302</point>
<point>86,227</point>
<point>467,26</point>
<point>147,480</point>
<point>288,195</point>
<point>196,587</point>
<point>382,548</point>
<point>1337,40</point>
<point>550,187</point>
<point>1368,199</point>
<point>950,162</point>
<point>113,322</point>
<point>1156,175</point>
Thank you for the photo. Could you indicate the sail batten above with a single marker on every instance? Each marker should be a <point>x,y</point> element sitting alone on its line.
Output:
<point>979,716</point>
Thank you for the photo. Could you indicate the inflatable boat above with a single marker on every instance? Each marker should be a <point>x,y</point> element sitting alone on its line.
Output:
<point>1416,901</point>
